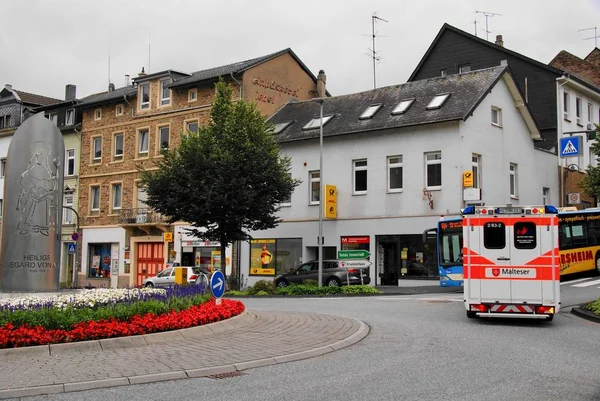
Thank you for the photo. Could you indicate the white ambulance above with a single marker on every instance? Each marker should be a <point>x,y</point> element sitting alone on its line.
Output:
<point>511,261</point>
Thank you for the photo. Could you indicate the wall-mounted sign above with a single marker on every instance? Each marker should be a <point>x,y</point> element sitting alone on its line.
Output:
<point>168,237</point>
<point>365,239</point>
<point>468,179</point>
<point>330,202</point>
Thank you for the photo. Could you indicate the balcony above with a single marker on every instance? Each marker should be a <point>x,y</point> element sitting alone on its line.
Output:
<point>142,218</point>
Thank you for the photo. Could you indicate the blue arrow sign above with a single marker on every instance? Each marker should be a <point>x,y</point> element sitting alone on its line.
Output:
<point>217,284</point>
<point>570,146</point>
<point>72,248</point>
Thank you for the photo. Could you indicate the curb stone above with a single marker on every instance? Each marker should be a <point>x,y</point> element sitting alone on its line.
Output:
<point>584,314</point>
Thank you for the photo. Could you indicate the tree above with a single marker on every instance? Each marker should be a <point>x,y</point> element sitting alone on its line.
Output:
<point>591,182</point>
<point>226,180</point>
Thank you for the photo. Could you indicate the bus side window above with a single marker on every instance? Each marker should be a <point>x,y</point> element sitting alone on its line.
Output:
<point>578,235</point>
<point>564,242</point>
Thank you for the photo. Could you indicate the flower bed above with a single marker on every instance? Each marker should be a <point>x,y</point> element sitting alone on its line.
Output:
<point>97,314</point>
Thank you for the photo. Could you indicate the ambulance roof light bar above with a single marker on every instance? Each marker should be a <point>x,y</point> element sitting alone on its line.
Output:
<point>510,210</point>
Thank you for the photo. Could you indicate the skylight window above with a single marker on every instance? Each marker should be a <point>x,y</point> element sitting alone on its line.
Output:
<point>403,106</point>
<point>370,111</point>
<point>438,101</point>
<point>316,122</point>
<point>281,126</point>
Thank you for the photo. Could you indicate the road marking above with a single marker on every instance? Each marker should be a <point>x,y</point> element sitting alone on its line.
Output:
<point>588,284</point>
<point>576,281</point>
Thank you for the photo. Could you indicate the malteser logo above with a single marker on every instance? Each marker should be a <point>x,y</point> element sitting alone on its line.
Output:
<point>510,272</point>
<point>496,272</point>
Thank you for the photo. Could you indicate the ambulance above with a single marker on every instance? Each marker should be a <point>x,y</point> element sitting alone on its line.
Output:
<point>511,261</point>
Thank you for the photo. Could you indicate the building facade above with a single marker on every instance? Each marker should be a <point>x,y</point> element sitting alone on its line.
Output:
<point>125,129</point>
<point>397,157</point>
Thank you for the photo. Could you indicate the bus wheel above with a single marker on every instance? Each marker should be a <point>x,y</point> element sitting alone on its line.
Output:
<point>471,314</point>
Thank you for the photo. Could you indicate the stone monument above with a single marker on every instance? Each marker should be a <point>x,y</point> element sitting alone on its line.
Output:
<point>32,223</point>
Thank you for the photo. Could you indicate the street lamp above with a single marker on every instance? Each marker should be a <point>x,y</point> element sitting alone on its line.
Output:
<point>320,238</point>
<point>75,277</point>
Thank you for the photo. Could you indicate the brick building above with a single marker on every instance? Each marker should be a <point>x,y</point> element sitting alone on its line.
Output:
<point>126,128</point>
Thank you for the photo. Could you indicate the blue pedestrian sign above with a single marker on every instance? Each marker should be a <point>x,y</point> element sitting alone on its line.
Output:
<point>72,248</point>
<point>217,284</point>
<point>570,146</point>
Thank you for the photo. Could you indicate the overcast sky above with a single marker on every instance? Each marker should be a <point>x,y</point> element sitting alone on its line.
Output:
<point>46,44</point>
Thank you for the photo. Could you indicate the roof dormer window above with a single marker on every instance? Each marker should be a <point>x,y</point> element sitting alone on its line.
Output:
<point>316,122</point>
<point>279,127</point>
<point>370,111</point>
<point>403,106</point>
<point>438,101</point>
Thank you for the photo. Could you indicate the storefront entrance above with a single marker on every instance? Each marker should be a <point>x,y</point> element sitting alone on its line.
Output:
<point>404,257</point>
<point>150,260</point>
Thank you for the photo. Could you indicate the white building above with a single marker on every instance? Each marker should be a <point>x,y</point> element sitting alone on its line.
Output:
<point>397,156</point>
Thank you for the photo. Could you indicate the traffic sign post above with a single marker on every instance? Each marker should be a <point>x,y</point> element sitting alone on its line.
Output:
<point>75,236</point>
<point>355,264</point>
<point>570,146</point>
<point>353,254</point>
<point>72,248</point>
<point>217,285</point>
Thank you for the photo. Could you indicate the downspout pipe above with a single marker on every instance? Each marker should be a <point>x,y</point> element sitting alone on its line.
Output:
<point>238,82</point>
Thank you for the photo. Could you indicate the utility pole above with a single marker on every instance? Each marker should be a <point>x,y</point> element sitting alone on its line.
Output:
<point>75,264</point>
<point>487,15</point>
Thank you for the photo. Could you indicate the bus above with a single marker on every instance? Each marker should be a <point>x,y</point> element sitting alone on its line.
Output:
<point>579,245</point>
<point>449,246</point>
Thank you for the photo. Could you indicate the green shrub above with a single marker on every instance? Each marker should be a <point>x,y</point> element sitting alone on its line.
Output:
<point>360,289</point>
<point>262,293</point>
<point>593,307</point>
<point>303,289</point>
<point>262,285</point>
<point>235,293</point>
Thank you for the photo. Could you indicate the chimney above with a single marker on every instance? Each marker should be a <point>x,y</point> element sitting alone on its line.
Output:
<point>8,87</point>
<point>499,41</point>
<point>111,87</point>
<point>321,79</point>
<point>141,74</point>
<point>70,92</point>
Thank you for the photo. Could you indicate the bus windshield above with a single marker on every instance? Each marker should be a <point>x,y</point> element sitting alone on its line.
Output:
<point>450,243</point>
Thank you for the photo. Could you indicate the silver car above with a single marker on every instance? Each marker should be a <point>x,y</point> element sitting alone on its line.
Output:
<point>166,277</point>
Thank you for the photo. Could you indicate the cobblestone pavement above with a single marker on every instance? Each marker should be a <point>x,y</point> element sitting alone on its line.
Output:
<point>251,340</point>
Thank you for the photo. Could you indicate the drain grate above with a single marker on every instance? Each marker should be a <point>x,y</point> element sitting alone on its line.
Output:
<point>227,375</point>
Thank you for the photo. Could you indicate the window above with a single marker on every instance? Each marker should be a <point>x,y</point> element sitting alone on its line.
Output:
<point>119,110</point>
<point>165,93</point>
<point>464,68</point>
<point>476,168</point>
<point>192,126</point>
<point>95,198</point>
<point>97,114</point>
<point>97,148</point>
<point>279,127</point>
<point>288,201</point>
<point>144,95</point>
<point>4,121</point>
<point>370,111</point>
<point>116,193</point>
<point>433,164</point>
<point>68,213</point>
<point>394,173</point>
<point>496,116</point>
<point>192,95</point>
<point>360,176</point>
<point>578,110</point>
<point>99,259</point>
<point>69,117</point>
<point>2,167</point>
<point>316,122</point>
<point>118,146</point>
<point>525,235</point>
<point>70,165</point>
<point>494,235</point>
<point>438,101</point>
<point>314,178</point>
<point>53,117</point>
<point>274,256</point>
<point>589,114</point>
<point>403,106</point>
<point>163,138</point>
<point>143,141</point>
<point>513,180</point>
<point>546,196</point>
<point>565,105</point>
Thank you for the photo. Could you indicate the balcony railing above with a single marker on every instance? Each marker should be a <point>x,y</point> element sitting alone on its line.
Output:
<point>140,216</point>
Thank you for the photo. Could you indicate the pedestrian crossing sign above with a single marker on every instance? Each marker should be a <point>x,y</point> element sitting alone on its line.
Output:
<point>72,248</point>
<point>570,146</point>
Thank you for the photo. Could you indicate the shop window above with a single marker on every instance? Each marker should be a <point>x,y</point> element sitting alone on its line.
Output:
<point>99,260</point>
<point>269,257</point>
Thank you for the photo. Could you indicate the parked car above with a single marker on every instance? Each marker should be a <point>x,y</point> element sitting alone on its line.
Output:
<point>166,277</point>
<point>333,274</point>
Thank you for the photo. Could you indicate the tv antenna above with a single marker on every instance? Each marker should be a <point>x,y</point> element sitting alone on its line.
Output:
<point>595,37</point>
<point>374,55</point>
<point>487,15</point>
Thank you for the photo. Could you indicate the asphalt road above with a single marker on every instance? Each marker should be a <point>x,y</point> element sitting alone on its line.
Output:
<point>420,347</point>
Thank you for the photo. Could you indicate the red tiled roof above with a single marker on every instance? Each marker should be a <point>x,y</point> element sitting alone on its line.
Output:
<point>39,100</point>
<point>588,71</point>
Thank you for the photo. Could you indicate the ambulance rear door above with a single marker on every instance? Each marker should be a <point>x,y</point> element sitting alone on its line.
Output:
<point>496,256</point>
<point>526,260</point>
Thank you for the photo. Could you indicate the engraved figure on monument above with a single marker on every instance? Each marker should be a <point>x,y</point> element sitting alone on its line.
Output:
<point>38,185</point>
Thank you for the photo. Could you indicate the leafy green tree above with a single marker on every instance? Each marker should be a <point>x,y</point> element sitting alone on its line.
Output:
<point>226,180</point>
<point>591,182</point>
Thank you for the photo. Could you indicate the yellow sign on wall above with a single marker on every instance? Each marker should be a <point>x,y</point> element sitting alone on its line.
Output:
<point>330,209</point>
<point>168,237</point>
<point>468,179</point>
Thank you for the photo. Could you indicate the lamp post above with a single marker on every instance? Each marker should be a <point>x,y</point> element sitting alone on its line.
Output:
<point>76,264</point>
<point>320,238</point>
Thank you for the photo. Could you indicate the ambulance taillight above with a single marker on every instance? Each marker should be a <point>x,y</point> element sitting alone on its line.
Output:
<point>479,308</point>
<point>544,309</point>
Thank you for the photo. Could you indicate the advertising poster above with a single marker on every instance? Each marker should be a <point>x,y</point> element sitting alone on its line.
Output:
<point>215,260</point>
<point>262,257</point>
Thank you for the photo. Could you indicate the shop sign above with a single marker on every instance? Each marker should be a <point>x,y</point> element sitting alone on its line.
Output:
<point>356,240</point>
<point>330,202</point>
<point>200,243</point>
<point>468,179</point>
<point>168,237</point>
